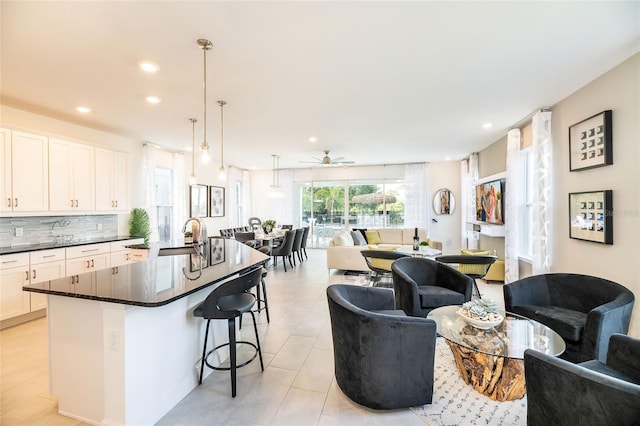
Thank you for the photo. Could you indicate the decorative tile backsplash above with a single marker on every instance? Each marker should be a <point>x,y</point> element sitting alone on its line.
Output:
<point>55,229</point>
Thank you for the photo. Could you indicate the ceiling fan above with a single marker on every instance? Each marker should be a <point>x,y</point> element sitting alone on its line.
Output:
<point>327,161</point>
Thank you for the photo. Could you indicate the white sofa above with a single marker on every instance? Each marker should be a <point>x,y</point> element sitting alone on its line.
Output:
<point>342,252</point>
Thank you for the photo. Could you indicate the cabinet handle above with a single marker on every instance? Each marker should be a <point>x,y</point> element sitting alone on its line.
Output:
<point>27,277</point>
<point>73,279</point>
<point>76,203</point>
<point>88,264</point>
<point>92,263</point>
<point>8,202</point>
<point>15,204</point>
<point>71,203</point>
<point>112,204</point>
<point>116,203</point>
<point>34,274</point>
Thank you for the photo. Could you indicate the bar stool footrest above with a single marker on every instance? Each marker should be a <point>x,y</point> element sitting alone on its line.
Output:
<point>238,342</point>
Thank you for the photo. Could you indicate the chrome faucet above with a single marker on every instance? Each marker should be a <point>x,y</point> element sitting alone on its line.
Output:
<point>202,237</point>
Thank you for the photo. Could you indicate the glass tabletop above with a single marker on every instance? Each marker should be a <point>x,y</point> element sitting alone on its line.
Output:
<point>423,251</point>
<point>508,339</point>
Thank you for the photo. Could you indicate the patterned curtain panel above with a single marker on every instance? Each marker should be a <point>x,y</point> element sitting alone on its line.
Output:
<point>416,209</point>
<point>473,237</point>
<point>149,168</point>
<point>465,184</point>
<point>513,200</point>
<point>541,233</point>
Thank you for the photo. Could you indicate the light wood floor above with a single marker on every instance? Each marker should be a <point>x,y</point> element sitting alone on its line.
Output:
<point>297,386</point>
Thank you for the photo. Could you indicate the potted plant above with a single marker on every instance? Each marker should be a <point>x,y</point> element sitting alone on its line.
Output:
<point>424,243</point>
<point>188,237</point>
<point>139,225</point>
<point>268,225</point>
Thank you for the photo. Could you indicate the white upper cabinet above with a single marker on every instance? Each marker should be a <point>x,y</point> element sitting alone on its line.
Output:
<point>25,172</point>
<point>112,169</point>
<point>71,176</point>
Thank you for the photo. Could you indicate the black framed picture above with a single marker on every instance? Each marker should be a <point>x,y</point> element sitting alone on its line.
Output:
<point>590,142</point>
<point>216,201</point>
<point>198,201</point>
<point>591,216</point>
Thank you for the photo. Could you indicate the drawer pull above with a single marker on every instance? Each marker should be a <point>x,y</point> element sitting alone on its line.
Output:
<point>8,261</point>
<point>49,255</point>
<point>87,251</point>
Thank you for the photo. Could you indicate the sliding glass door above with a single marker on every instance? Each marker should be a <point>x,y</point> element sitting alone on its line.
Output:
<point>369,204</point>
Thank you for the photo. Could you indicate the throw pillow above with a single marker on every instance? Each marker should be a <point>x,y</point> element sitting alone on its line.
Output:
<point>372,237</point>
<point>473,269</point>
<point>362,231</point>
<point>358,238</point>
<point>342,238</point>
<point>381,263</point>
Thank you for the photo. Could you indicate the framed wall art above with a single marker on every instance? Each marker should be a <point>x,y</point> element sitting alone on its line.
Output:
<point>198,201</point>
<point>591,216</point>
<point>216,201</point>
<point>590,142</point>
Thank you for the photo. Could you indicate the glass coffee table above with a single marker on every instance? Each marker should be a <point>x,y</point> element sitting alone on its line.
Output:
<point>492,360</point>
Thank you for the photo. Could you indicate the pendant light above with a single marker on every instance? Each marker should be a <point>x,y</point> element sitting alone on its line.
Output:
<point>274,190</point>
<point>222,175</point>
<point>193,179</point>
<point>205,158</point>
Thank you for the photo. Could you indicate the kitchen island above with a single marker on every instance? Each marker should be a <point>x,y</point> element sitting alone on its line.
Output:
<point>124,347</point>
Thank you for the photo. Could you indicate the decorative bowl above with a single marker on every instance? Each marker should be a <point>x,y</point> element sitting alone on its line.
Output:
<point>481,324</point>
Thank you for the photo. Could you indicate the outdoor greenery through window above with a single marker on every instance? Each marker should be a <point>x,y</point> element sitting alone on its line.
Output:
<point>329,206</point>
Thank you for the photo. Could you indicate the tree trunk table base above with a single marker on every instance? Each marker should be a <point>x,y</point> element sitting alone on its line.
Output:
<point>499,378</point>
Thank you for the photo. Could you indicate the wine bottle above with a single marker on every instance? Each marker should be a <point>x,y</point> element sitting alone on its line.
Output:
<point>416,240</point>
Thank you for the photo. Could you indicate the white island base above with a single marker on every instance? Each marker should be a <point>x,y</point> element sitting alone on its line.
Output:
<point>116,364</point>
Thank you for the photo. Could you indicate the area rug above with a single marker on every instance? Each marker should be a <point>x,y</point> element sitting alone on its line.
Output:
<point>456,403</point>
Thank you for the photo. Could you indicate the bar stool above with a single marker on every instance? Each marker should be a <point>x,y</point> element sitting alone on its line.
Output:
<point>262,299</point>
<point>229,301</point>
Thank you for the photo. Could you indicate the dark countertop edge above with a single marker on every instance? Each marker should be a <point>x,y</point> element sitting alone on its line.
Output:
<point>52,246</point>
<point>140,304</point>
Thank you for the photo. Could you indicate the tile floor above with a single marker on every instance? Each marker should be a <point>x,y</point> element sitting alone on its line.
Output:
<point>297,386</point>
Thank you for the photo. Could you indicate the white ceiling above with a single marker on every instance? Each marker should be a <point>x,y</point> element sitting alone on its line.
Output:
<point>375,82</point>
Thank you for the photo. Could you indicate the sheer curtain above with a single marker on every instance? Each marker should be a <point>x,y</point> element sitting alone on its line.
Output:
<point>541,233</point>
<point>233,177</point>
<point>179,189</point>
<point>416,211</point>
<point>149,176</point>
<point>472,236</point>
<point>513,201</point>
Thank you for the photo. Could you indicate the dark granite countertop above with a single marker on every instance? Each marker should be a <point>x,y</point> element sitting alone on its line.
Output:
<point>53,245</point>
<point>158,280</point>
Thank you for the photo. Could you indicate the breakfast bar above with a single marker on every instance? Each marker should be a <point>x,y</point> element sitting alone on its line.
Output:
<point>124,347</point>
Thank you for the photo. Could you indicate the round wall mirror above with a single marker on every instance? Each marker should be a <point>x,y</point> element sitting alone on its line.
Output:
<point>444,202</point>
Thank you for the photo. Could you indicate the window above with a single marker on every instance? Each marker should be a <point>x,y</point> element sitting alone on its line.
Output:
<point>164,202</point>
<point>329,206</point>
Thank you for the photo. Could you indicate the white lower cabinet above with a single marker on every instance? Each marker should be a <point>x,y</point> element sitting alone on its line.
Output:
<point>20,269</point>
<point>87,258</point>
<point>14,274</point>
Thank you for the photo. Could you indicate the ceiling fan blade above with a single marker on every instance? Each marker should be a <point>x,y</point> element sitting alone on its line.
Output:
<point>310,162</point>
<point>337,160</point>
<point>343,162</point>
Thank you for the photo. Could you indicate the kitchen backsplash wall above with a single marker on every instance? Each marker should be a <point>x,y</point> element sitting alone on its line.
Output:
<point>55,229</point>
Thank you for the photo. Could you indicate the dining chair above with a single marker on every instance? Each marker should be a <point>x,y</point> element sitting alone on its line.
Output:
<point>297,244</point>
<point>284,250</point>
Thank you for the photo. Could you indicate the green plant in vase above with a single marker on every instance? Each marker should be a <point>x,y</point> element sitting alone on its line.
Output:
<point>139,225</point>
<point>268,225</point>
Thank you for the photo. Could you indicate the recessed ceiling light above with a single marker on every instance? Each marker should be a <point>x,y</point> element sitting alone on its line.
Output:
<point>153,99</point>
<point>149,66</point>
<point>187,148</point>
<point>447,158</point>
<point>83,109</point>
<point>313,139</point>
<point>487,125</point>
